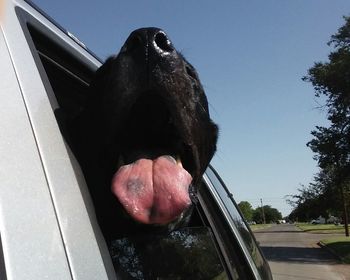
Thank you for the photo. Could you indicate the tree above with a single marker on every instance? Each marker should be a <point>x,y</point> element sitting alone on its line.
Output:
<point>331,145</point>
<point>246,209</point>
<point>307,204</point>
<point>318,198</point>
<point>271,214</point>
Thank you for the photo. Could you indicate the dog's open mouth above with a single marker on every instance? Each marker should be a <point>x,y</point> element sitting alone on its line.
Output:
<point>153,177</point>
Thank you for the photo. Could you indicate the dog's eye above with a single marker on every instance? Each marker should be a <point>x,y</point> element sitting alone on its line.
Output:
<point>191,72</point>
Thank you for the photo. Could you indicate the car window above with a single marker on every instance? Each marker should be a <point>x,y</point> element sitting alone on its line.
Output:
<point>243,231</point>
<point>231,250</point>
<point>188,253</point>
<point>68,76</point>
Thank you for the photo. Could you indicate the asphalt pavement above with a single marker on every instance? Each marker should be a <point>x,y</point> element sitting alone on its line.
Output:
<point>294,254</point>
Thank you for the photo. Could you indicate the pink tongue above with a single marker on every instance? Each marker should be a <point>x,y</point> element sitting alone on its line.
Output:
<point>153,191</point>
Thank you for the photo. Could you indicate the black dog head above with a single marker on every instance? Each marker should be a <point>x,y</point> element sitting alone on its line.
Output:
<point>148,128</point>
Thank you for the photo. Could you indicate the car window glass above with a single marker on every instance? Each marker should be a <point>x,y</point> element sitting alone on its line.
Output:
<point>68,77</point>
<point>231,250</point>
<point>188,253</point>
<point>245,233</point>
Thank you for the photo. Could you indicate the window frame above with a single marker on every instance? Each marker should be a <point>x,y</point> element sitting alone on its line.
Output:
<point>234,221</point>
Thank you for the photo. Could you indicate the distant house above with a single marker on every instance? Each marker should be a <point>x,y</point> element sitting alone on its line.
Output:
<point>333,220</point>
<point>319,220</point>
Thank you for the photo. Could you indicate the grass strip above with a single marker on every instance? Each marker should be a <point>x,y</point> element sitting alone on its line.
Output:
<point>259,226</point>
<point>340,246</point>
<point>327,228</point>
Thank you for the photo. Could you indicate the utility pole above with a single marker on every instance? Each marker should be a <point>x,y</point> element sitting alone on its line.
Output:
<point>345,209</point>
<point>262,210</point>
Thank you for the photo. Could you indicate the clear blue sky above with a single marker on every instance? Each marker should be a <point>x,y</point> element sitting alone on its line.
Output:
<point>251,56</point>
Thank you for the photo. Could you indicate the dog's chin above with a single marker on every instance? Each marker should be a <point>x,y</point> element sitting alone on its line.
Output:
<point>153,175</point>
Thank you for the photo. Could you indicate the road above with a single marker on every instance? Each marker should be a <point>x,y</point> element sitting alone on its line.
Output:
<point>294,254</point>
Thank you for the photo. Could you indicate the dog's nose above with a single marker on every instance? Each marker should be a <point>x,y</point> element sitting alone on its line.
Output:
<point>149,41</point>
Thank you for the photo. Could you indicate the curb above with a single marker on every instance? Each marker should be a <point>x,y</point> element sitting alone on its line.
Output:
<point>322,245</point>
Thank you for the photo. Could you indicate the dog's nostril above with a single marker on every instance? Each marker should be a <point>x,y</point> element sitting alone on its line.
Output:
<point>162,42</point>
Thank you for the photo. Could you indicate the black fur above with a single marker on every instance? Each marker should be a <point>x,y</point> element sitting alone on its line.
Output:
<point>146,97</point>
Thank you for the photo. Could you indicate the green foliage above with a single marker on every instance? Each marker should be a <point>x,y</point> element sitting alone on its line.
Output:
<point>318,198</point>
<point>342,38</point>
<point>271,214</point>
<point>331,145</point>
<point>332,80</point>
<point>246,209</point>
